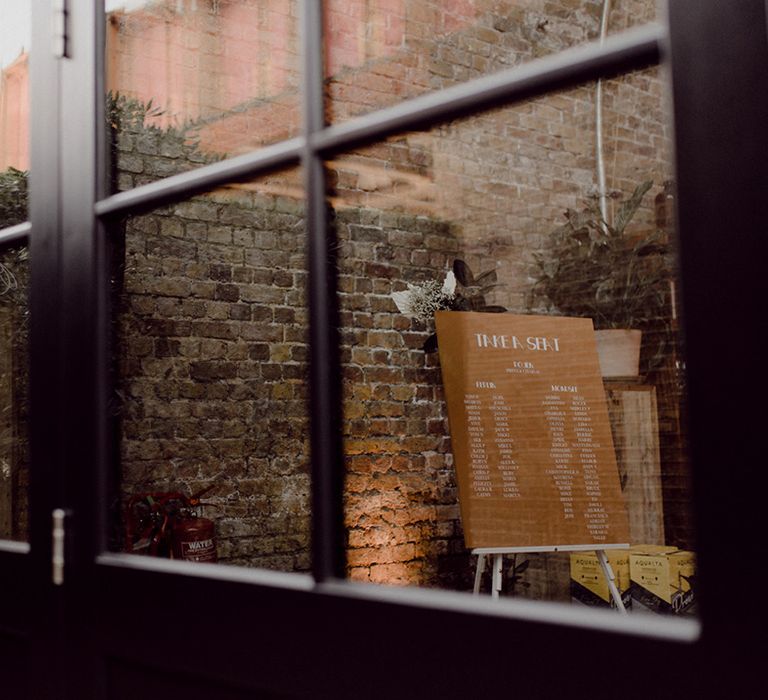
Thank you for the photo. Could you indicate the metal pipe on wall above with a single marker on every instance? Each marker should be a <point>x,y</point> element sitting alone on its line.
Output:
<point>599,159</point>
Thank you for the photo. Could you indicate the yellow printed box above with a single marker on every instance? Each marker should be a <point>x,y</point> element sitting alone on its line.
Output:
<point>588,583</point>
<point>662,579</point>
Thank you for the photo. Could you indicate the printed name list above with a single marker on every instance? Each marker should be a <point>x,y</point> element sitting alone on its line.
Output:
<point>529,431</point>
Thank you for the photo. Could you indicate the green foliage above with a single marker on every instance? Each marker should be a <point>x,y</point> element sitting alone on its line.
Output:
<point>122,114</point>
<point>125,113</point>
<point>13,210</point>
<point>471,297</point>
<point>133,127</point>
<point>593,269</point>
<point>13,197</point>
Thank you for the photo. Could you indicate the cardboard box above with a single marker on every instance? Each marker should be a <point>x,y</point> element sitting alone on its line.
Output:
<point>662,579</point>
<point>588,583</point>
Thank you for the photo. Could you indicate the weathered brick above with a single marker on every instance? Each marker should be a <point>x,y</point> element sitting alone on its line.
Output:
<point>196,210</point>
<point>227,292</point>
<point>240,312</point>
<point>220,273</point>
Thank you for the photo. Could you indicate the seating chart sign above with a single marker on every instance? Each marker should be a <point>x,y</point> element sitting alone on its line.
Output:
<point>530,433</point>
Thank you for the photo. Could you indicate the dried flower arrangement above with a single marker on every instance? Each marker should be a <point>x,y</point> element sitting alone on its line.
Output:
<point>461,290</point>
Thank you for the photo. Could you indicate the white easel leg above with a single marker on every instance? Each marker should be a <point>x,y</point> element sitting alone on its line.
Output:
<point>496,584</point>
<point>479,572</point>
<point>603,559</point>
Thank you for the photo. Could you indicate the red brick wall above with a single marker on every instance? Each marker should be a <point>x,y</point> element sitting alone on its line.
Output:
<point>14,114</point>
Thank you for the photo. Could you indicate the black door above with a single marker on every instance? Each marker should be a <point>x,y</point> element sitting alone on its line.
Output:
<point>150,241</point>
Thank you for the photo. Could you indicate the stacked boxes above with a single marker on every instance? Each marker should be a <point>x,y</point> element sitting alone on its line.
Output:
<point>662,579</point>
<point>588,583</point>
<point>650,579</point>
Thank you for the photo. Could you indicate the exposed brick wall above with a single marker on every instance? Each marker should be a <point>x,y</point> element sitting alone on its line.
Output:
<point>212,331</point>
<point>382,52</point>
<point>212,355</point>
<point>401,506</point>
<point>229,68</point>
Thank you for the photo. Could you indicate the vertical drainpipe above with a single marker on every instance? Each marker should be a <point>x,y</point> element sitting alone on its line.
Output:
<point>599,160</point>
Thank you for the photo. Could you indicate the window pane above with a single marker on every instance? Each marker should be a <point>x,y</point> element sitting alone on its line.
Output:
<point>15,30</point>
<point>543,449</point>
<point>223,75</point>
<point>380,52</point>
<point>210,325</point>
<point>14,393</point>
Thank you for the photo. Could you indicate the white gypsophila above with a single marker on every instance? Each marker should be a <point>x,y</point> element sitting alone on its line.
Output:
<point>421,301</point>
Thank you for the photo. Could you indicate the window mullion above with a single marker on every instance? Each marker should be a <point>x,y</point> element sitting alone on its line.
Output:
<point>328,553</point>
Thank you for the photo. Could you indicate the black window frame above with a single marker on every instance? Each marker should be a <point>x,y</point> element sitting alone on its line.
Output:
<point>714,57</point>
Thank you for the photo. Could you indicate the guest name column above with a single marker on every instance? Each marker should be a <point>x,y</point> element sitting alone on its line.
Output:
<point>505,444</point>
<point>562,470</point>
<point>594,513</point>
<point>479,469</point>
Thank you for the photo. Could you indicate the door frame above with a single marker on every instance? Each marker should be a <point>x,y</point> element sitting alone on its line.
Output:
<point>291,635</point>
<point>30,608</point>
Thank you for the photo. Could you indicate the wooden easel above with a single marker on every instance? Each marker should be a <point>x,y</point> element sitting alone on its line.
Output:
<point>499,552</point>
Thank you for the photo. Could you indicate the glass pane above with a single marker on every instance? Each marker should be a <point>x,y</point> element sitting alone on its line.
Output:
<point>15,30</point>
<point>210,326</point>
<point>519,432</point>
<point>217,78</point>
<point>380,52</point>
<point>14,392</point>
